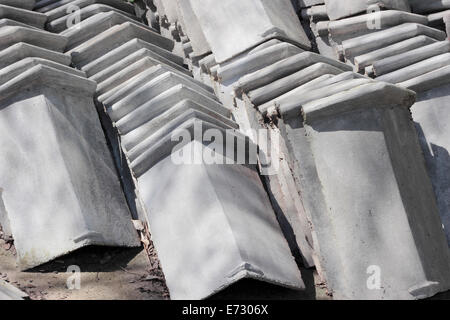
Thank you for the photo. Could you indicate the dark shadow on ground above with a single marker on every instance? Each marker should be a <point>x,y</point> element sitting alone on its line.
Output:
<point>249,289</point>
<point>92,259</point>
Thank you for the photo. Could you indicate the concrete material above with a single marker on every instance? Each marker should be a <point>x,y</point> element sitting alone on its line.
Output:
<point>9,292</point>
<point>272,107</point>
<point>447,25</point>
<point>138,154</point>
<point>116,81</point>
<point>13,23</point>
<point>93,26</point>
<point>284,195</point>
<point>140,115</point>
<point>256,60</point>
<point>417,271</point>
<point>63,155</point>
<point>10,72</point>
<point>430,114</point>
<point>99,281</point>
<point>149,90</point>
<point>61,10</point>
<point>112,40</point>
<point>326,48</point>
<point>429,6</point>
<point>207,63</point>
<point>353,27</point>
<point>22,50</point>
<point>283,85</point>
<point>417,69</point>
<point>192,28</point>
<point>437,20</point>
<point>42,3</point>
<point>308,3</point>
<point>61,24</point>
<point>31,18</point>
<point>5,225</point>
<point>168,143</point>
<point>255,21</point>
<point>381,206</point>
<point>408,58</point>
<point>259,252</point>
<point>156,85</point>
<point>315,13</point>
<point>140,79</point>
<point>365,60</point>
<point>289,103</point>
<point>144,55</point>
<point>137,81</point>
<point>168,8</point>
<point>138,140</point>
<point>47,5</point>
<point>12,35</point>
<point>364,44</point>
<point>338,9</point>
<point>264,45</point>
<point>23,4</point>
<point>283,68</point>
<point>428,80</point>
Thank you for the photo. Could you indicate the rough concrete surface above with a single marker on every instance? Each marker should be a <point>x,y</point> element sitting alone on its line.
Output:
<point>353,192</point>
<point>123,274</point>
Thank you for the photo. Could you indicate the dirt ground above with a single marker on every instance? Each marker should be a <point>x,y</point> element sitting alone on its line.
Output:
<point>125,274</point>
<point>106,274</point>
<point>129,274</point>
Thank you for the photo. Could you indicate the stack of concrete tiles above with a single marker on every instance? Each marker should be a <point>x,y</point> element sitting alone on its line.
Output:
<point>69,13</point>
<point>398,30</point>
<point>415,56</point>
<point>250,99</point>
<point>213,221</point>
<point>378,42</point>
<point>204,44</point>
<point>351,176</point>
<point>427,73</point>
<point>430,114</point>
<point>269,49</point>
<point>59,186</point>
<point>315,167</point>
<point>447,24</point>
<point>344,136</point>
